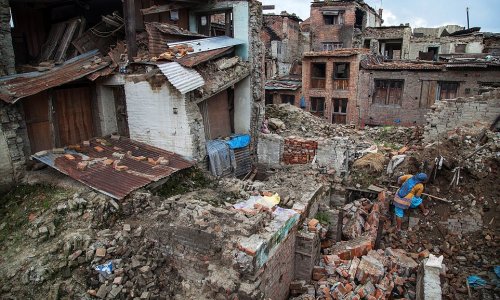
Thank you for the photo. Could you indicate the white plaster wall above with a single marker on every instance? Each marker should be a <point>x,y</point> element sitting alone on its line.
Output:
<point>107,110</point>
<point>242,106</point>
<point>474,47</point>
<point>241,20</point>
<point>6,169</point>
<point>152,120</point>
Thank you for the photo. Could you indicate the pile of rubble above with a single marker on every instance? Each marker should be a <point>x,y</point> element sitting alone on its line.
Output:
<point>289,120</point>
<point>351,269</point>
<point>395,136</point>
<point>378,275</point>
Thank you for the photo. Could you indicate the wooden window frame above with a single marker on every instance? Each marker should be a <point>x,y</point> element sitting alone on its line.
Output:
<point>286,97</point>
<point>390,89</point>
<point>314,106</point>
<point>318,82</point>
<point>338,112</point>
<point>447,85</point>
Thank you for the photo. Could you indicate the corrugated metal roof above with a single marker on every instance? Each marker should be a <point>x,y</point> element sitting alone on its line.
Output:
<point>211,43</point>
<point>184,79</point>
<point>105,178</point>
<point>15,87</point>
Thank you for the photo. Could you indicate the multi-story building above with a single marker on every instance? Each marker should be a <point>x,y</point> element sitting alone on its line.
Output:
<point>329,80</point>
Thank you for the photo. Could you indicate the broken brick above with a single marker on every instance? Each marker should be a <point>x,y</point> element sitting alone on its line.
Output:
<point>69,157</point>
<point>98,148</point>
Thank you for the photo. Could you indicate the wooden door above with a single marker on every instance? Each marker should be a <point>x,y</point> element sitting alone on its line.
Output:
<point>216,116</point>
<point>36,112</point>
<point>427,93</point>
<point>73,115</point>
<point>121,111</point>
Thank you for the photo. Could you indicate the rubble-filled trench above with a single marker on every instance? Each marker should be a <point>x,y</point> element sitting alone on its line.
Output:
<point>331,236</point>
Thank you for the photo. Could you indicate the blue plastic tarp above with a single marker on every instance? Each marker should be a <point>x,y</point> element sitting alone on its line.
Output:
<point>239,141</point>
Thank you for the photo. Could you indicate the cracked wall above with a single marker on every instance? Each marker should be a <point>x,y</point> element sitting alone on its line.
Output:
<point>13,144</point>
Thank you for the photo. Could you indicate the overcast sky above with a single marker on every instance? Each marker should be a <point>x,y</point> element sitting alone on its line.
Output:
<point>419,13</point>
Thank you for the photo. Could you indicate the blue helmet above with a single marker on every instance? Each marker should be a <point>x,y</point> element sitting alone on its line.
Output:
<point>421,176</point>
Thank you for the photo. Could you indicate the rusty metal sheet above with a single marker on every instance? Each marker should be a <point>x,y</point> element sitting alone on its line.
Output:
<point>105,178</point>
<point>15,87</point>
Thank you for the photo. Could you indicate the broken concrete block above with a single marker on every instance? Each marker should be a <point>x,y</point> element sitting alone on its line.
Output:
<point>102,292</point>
<point>370,269</point>
<point>100,252</point>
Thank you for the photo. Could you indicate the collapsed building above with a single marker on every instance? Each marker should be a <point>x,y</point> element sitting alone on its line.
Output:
<point>283,43</point>
<point>196,76</point>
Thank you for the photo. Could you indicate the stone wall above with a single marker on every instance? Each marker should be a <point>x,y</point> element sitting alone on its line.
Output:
<point>257,71</point>
<point>380,34</point>
<point>474,44</point>
<point>13,136</point>
<point>414,102</point>
<point>450,114</point>
<point>7,59</point>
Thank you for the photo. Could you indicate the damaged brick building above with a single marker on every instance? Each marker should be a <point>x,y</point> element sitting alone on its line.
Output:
<point>402,92</point>
<point>173,100</point>
<point>283,42</point>
<point>334,24</point>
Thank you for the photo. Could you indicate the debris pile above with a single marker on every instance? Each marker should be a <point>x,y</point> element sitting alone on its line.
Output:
<point>378,275</point>
<point>287,120</point>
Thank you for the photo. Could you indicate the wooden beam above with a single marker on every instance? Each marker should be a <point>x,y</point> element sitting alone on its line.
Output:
<point>267,7</point>
<point>156,9</point>
<point>129,12</point>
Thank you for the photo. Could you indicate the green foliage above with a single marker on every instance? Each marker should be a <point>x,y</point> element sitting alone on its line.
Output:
<point>184,181</point>
<point>18,204</point>
<point>323,218</point>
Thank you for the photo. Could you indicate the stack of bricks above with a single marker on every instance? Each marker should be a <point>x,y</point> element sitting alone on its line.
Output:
<point>299,151</point>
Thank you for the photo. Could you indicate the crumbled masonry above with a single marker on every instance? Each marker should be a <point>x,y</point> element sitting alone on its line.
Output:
<point>193,150</point>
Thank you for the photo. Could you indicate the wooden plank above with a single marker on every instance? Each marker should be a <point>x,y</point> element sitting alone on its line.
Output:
<point>66,40</point>
<point>55,35</point>
<point>121,110</point>
<point>156,9</point>
<point>218,115</point>
<point>130,34</point>
<point>36,111</point>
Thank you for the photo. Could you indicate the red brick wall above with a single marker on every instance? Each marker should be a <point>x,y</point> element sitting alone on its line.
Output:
<point>413,107</point>
<point>329,92</point>
<point>299,151</point>
<point>332,33</point>
<point>279,270</point>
